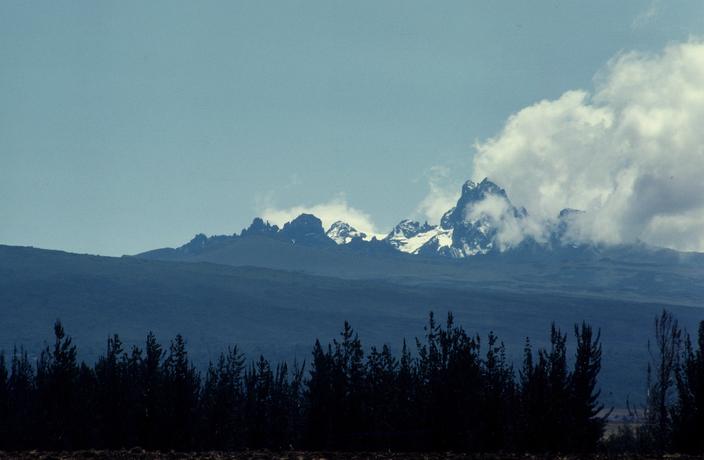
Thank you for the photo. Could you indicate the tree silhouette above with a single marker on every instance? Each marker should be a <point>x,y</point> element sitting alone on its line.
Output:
<point>688,412</point>
<point>661,374</point>
<point>587,424</point>
<point>180,390</point>
<point>447,394</point>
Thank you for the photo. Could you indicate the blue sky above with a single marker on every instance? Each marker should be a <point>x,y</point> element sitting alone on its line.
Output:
<point>126,126</point>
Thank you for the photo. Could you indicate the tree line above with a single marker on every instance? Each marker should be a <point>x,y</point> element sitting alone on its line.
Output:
<point>450,390</point>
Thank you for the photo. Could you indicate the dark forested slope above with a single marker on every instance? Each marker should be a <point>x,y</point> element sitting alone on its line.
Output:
<point>280,313</point>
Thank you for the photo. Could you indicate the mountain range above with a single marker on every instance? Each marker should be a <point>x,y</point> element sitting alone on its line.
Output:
<point>483,221</point>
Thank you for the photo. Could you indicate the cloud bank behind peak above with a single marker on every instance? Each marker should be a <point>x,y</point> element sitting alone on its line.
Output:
<point>328,212</point>
<point>630,153</point>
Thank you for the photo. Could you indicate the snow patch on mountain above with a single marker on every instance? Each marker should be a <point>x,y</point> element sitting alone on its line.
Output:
<point>343,233</point>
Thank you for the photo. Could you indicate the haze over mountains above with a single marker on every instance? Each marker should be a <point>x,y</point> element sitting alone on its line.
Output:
<point>275,290</point>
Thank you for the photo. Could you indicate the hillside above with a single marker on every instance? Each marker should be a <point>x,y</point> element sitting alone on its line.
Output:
<point>280,313</point>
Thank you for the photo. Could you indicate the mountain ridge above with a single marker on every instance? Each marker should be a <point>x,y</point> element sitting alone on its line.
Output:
<point>483,222</point>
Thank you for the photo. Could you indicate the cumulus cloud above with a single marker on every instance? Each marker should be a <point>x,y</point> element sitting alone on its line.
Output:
<point>329,212</point>
<point>630,153</point>
<point>500,214</point>
<point>440,197</point>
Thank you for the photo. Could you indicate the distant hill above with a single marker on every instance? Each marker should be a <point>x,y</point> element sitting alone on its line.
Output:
<point>628,272</point>
<point>386,296</point>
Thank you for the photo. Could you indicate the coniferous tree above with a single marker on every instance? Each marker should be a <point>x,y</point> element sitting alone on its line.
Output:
<point>4,401</point>
<point>382,387</point>
<point>429,392</point>
<point>535,399</point>
<point>152,397</point>
<point>112,394</point>
<point>57,377</point>
<point>451,396</point>
<point>258,402</point>
<point>557,417</point>
<point>661,373</point>
<point>135,386</point>
<point>282,410</point>
<point>498,399</point>
<point>587,425</point>
<point>21,402</point>
<point>688,413</point>
<point>322,402</point>
<point>348,378</point>
<point>181,389</point>
<point>406,416</point>
<point>222,402</point>
<point>87,431</point>
<point>544,395</point>
<point>459,388</point>
<point>296,405</point>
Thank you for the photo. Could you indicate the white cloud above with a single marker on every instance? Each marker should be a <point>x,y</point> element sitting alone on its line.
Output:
<point>440,197</point>
<point>499,212</point>
<point>333,210</point>
<point>631,153</point>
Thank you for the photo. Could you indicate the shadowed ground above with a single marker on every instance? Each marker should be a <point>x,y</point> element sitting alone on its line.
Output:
<point>137,453</point>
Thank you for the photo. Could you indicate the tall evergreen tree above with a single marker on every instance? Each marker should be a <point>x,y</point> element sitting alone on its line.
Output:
<point>152,410</point>
<point>135,387</point>
<point>321,400</point>
<point>57,376</point>
<point>112,394</point>
<point>382,388</point>
<point>21,402</point>
<point>181,389</point>
<point>259,381</point>
<point>222,400</point>
<point>85,409</point>
<point>348,381</point>
<point>498,398</point>
<point>4,401</point>
<point>535,399</point>
<point>688,412</point>
<point>429,367</point>
<point>459,388</point>
<point>661,374</point>
<point>450,396</point>
<point>558,417</point>
<point>587,423</point>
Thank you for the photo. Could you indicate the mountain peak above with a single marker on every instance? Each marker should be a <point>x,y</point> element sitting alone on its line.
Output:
<point>305,228</point>
<point>410,228</point>
<point>410,236</point>
<point>469,185</point>
<point>342,233</point>
<point>196,244</point>
<point>259,227</point>
<point>472,193</point>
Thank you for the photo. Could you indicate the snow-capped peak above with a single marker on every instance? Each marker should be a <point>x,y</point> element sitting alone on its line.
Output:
<point>409,228</point>
<point>343,233</point>
<point>411,236</point>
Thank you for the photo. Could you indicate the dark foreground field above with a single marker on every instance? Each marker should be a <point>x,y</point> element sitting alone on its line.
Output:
<point>137,453</point>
